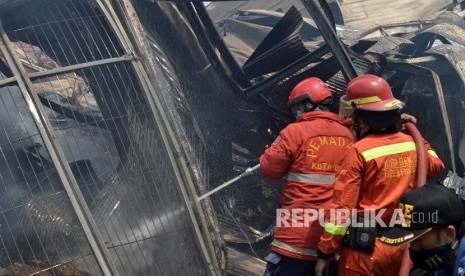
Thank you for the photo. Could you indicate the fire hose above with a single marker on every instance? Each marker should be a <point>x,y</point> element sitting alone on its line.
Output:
<point>248,171</point>
<point>421,180</point>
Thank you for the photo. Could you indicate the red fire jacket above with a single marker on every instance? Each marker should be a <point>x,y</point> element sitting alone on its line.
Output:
<point>308,153</point>
<point>375,173</point>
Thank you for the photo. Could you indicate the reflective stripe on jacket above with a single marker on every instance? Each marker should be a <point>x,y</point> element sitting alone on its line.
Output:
<point>306,153</point>
<point>375,173</point>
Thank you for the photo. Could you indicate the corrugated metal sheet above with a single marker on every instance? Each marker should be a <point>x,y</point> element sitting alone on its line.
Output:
<point>357,13</point>
<point>371,13</point>
<point>221,10</point>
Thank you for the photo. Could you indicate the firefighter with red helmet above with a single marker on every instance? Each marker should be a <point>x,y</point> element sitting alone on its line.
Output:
<point>307,154</point>
<point>376,171</point>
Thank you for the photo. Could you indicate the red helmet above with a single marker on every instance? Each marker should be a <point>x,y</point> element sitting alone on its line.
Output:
<point>371,93</point>
<point>312,89</point>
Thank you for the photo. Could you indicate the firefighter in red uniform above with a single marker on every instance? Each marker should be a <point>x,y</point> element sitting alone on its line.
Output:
<point>307,153</point>
<point>375,173</point>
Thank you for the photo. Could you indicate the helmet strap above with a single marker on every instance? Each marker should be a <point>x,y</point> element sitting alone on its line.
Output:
<point>361,130</point>
<point>310,107</point>
<point>297,113</point>
<point>301,108</point>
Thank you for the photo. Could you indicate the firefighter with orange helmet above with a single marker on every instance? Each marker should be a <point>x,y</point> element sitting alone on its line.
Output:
<point>376,171</point>
<point>307,154</point>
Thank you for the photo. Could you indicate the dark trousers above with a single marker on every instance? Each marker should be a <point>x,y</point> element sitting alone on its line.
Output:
<point>278,264</point>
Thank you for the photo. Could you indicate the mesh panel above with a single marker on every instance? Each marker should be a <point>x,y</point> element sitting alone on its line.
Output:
<point>38,226</point>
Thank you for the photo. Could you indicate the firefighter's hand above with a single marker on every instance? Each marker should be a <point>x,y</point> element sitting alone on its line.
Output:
<point>407,118</point>
<point>321,267</point>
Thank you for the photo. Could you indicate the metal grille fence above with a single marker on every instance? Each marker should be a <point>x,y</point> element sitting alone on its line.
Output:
<point>88,179</point>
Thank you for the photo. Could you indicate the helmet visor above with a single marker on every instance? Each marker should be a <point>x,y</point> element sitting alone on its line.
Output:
<point>346,109</point>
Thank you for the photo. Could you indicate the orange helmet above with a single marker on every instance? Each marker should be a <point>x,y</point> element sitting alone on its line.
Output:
<point>312,89</point>
<point>370,93</point>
